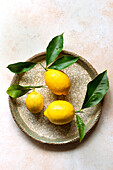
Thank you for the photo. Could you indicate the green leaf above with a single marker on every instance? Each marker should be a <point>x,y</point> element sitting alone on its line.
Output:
<point>63,62</point>
<point>16,90</point>
<point>81,127</point>
<point>96,89</point>
<point>54,48</point>
<point>21,67</point>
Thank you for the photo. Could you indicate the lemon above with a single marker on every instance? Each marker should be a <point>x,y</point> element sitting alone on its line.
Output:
<point>60,112</point>
<point>34,102</point>
<point>57,81</point>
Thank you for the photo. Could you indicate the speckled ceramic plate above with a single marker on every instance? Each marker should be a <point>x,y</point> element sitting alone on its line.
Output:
<point>38,126</point>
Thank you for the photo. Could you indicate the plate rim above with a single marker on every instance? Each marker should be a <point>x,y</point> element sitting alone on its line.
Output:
<point>77,139</point>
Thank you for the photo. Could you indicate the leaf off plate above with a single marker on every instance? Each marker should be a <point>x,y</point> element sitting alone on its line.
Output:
<point>21,67</point>
<point>54,48</point>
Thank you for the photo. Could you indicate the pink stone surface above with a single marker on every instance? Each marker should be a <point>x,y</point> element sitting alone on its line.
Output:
<point>26,27</point>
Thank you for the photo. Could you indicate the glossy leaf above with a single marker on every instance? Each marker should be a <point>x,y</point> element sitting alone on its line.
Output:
<point>16,90</point>
<point>63,62</point>
<point>96,89</point>
<point>81,127</point>
<point>54,48</point>
<point>21,67</point>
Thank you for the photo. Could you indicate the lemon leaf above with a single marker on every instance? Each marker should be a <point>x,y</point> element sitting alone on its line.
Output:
<point>96,89</point>
<point>63,62</point>
<point>21,67</point>
<point>16,90</point>
<point>81,127</point>
<point>54,48</point>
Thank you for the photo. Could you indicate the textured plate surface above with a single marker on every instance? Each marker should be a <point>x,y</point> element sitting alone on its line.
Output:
<point>38,126</point>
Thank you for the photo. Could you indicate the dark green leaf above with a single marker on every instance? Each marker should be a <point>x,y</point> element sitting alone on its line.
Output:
<point>63,62</point>
<point>21,67</point>
<point>54,48</point>
<point>16,90</point>
<point>81,127</point>
<point>96,89</point>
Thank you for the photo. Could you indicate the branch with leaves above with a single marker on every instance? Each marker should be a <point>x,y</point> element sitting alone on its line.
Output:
<point>96,89</point>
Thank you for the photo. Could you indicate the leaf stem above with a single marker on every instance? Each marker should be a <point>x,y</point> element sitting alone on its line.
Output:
<point>45,68</point>
<point>33,89</point>
<point>34,86</point>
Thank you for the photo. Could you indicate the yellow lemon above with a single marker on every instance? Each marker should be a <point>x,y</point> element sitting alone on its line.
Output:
<point>57,81</point>
<point>34,102</point>
<point>60,112</point>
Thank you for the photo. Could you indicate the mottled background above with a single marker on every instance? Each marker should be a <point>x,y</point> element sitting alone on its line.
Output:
<point>26,27</point>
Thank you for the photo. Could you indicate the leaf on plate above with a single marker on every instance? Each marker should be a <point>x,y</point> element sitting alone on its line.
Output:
<point>21,67</point>
<point>54,48</point>
<point>96,89</point>
<point>16,90</point>
<point>63,62</point>
<point>81,127</point>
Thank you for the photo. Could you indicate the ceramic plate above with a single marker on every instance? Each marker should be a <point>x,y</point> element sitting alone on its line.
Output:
<point>38,126</point>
